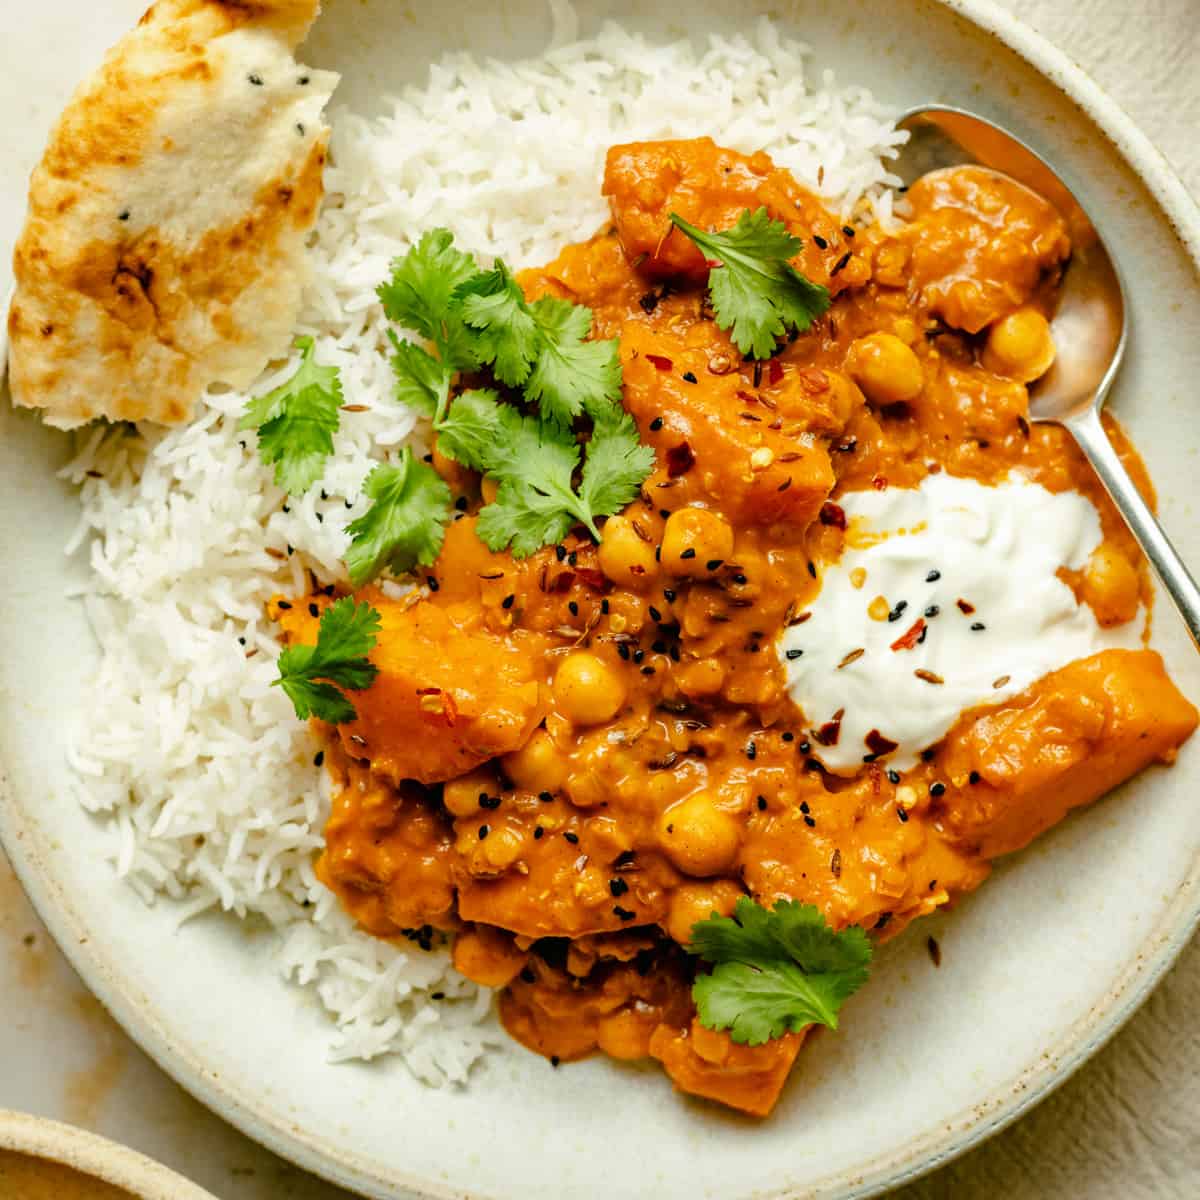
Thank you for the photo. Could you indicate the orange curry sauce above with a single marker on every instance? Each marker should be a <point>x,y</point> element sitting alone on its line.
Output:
<point>567,761</point>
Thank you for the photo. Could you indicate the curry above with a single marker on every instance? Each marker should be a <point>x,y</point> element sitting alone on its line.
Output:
<point>568,760</point>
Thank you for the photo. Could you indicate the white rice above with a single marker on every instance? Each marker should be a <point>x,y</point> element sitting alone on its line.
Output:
<point>201,765</point>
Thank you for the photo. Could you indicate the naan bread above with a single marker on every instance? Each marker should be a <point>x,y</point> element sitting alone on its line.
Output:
<point>164,246</point>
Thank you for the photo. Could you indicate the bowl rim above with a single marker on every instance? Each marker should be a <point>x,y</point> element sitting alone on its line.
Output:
<point>971,1126</point>
<point>94,1156</point>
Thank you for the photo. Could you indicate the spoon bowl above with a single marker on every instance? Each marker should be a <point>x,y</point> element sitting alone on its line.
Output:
<point>1089,325</point>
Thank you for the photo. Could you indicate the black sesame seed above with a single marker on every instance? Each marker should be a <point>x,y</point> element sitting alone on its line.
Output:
<point>303,81</point>
<point>977,626</point>
<point>670,595</point>
<point>313,611</point>
<point>805,747</point>
<point>903,815</point>
<point>937,789</point>
<point>789,737</point>
<point>285,605</point>
<point>898,611</point>
<point>812,569</point>
<point>618,887</point>
<point>820,242</point>
<point>739,579</point>
<point>538,833</point>
<point>848,230</point>
<point>842,263</point>
<point>432,582</point>
<point>554,1060</point>
<point>688,377</point>
<point>932,610</point>
<point>574,608</point>
<point>751,750</point>
<point>604,606</point>
<point>623,650</point>
<point>256,80</point>
<point>893,777</point>
<point>623,913</point>
<point>572,559</point>
<point>656,424</point>
<point>300,128</point>
<point>974,777</point>
<point>241,641</point>
<point>573,838</point>
<point>545,797</point>
<point>560,552</point>
<point>659,647</point>
<point>714,564</point>
<point>655,616</point>
<point>319,760</point>
<point>638,655</point>
<point>762,804</point>
<point>320,518</point>
<point>489,802</point>
<point>933,576</point>
<point>804,807</point>
<point>810,822</point>
<point>124,216</point>
<point>508,601</point>
<point>688,553</point>
<point>794,654</point>
<point>483,832</point>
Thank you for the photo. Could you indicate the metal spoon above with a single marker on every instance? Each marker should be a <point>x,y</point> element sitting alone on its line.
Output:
<point>1090,327</point>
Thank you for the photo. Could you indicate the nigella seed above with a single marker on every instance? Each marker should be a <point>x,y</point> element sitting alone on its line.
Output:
<point>618,887</point>
<point>893,776</point>
<point>538,833</point>
<point>560,552</point>
<point>688,553</point>
<point>898,611</point>
<point>933,576</point>
<point>573,838</point>
<point>820,242</point>
<point>688,377</point>
<point>978,627</point>
<point>256,80</point>
<point>656,424</point>
<point>937,789</point>
<point>483,832</point>
<point>319,760</point>
<point>762,804</point>
<point>903,815</point>
<point>974,777</point>
<point>932,611</point>
<point>794,654</point>
<point>508,601</point>
<point>810,822</point>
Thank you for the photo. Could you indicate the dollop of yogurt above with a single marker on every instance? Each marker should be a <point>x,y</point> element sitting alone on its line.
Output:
<point>946,597</point>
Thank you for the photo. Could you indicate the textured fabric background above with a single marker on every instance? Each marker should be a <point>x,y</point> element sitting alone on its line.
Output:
<point>1127,1127</point>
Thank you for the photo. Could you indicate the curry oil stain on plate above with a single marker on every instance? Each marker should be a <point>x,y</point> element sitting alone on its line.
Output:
<point>894,1092</point>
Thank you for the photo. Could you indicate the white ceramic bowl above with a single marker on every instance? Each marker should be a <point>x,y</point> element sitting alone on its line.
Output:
<point>1039,968</point>
<point>94,1158</point>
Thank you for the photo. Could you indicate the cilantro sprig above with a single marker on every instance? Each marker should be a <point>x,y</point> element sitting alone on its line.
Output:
<point>756,293</point>
<point>775,970</point>
<point>547,484</point>
<point>312,675</point>
<point>534,461</point>
<point>296,422</point>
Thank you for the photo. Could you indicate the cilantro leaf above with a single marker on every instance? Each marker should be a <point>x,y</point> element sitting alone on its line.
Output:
<point>534,461</point>
<point>479,431</point>
<point>617,464</point>
<point>296,422</point>
<point>571,375</point>
<point>776,970</point>
<point>757,294</point>
<point>347,634</point>
<point>420,295</point>
<point>507,333</point>
<point>422,381</point>
<point>406,523</point>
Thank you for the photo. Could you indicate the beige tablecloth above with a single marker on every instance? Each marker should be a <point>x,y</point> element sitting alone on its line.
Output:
<point>1127,1127</point>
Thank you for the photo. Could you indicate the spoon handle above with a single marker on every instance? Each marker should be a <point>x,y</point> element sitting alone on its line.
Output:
<point>1164,558</point>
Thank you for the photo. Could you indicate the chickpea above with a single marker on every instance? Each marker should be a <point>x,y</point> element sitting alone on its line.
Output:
<point>1020,346</point>
<point>704,677</point>
<point>587,691</point>
<point>624,1035</point>
<point>625,557</point>
<point>1111,586</point>
<point>537,766</point>
<point>693,538</point>
<point>488,956</point>
<point>697,902</point>
<point>461,795</point>
<point>886,369</point>
<point>698,837</point>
